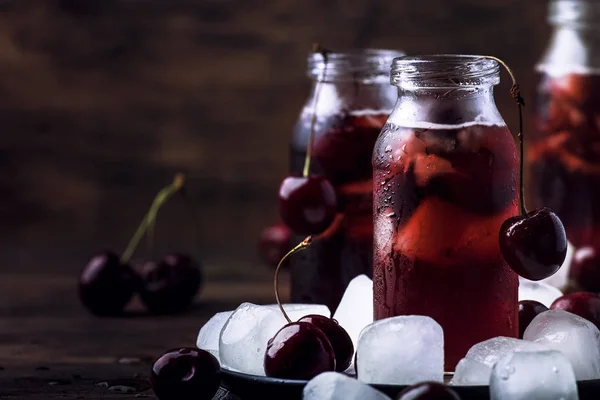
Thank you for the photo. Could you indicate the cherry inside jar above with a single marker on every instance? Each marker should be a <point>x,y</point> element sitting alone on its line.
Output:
<point>354,99</point>
<point>445,179</point>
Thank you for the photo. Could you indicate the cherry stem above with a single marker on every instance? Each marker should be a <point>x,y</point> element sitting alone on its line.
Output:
<point>150,217</point>
<point>516,94</point>
<point>301,246</point>
<point>311,136</point>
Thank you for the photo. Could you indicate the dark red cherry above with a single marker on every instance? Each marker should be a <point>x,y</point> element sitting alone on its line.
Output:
<point>274,242</point>
<point>338,337</point>
<point>185,374</point>
<point>528,310</point>
<point>106,285</point>
<point>428,391</point>
<point>299,351</point>
<point>584,271</point>
<point>534,246</point>
<point>584,304</point>
<point>307,205</point>
<point>171,285</point>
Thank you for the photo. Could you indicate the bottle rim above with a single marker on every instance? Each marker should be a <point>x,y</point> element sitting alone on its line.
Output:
<point>354,64</point>
<point>444,71</point>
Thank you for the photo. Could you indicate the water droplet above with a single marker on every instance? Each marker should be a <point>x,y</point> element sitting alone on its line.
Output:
<point>392,214</point>
<point>388,148</point>
<point>404,148</point>
<point>506,372</point>
<point>555,370</point>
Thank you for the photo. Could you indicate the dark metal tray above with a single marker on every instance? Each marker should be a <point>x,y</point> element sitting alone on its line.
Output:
<point>247,386</point>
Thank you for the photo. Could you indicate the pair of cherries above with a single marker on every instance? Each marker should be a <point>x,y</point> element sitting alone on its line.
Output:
<point>304,349</point>
<point>106,284</point>
<point>169,286</point>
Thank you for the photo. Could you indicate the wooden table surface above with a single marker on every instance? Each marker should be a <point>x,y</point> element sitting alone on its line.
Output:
<point>51,348</point>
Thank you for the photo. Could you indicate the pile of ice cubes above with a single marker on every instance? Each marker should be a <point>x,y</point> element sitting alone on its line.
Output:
<point>406,350</point>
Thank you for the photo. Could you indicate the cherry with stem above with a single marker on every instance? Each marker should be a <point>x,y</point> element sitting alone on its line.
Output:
<point>304,349</point>
<point>534,244</point>
<point>308,203</point>
<point>108,282</point>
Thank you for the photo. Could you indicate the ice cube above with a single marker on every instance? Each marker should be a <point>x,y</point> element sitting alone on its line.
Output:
<point>208,337</point>
<point>577,338</point>
<point>336,386</point>
<point>471,372</point>
<point>243,339</point>
<point>356,308</point>
<point>476,367</point>
<point>401,350</point>
<point>490,351</point>
<point>545,375</point>
<point>538,291</point>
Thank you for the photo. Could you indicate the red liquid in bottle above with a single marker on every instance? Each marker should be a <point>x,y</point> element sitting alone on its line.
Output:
<point>563,155</point>
<point>440,197</point>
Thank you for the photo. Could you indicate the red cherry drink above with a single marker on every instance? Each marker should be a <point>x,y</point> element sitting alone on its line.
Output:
<point>563,154</point>
<point>441,193</point>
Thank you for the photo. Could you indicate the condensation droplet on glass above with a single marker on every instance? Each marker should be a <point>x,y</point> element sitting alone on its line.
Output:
<point>555,370</point>
<point>404,148</point>
<point>392,214</point>
<point>506,372</point>
<point>388,148</point>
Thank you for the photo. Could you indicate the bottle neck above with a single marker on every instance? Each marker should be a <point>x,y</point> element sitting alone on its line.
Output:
<point>572,49</point>
<point>575,42</point>
<point>420,108</point>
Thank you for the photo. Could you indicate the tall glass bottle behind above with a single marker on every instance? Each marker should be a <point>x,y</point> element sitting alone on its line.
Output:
<point>354,101</point>
<point>563,149</point>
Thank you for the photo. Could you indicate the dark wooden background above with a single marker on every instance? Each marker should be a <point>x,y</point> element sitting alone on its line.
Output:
<point>102,101</point>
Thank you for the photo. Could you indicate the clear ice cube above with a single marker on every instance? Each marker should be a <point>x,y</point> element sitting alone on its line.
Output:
<point>356,308</point>
<point>401,350</point>
<point>208,337</point>
<point>577,338</point>
<point>545,375</point>
<point>538,291</point>
<point>336,386</point>
<point>243,339</point>
<point>490,351</point>
<point>471,372</point>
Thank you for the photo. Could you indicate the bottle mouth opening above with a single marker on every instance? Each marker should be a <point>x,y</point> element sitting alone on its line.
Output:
<point>444,71</point>
<point>354,65</point>
<point>575,13</point>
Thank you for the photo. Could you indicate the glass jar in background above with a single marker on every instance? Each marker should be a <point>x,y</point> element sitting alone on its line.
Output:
<point>354,101</point>
<point>563,149</point>
<point>445,178</point>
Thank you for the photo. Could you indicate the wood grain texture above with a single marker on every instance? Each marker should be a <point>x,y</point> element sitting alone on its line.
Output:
<point>102,102</point>
<point>51,348</point>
